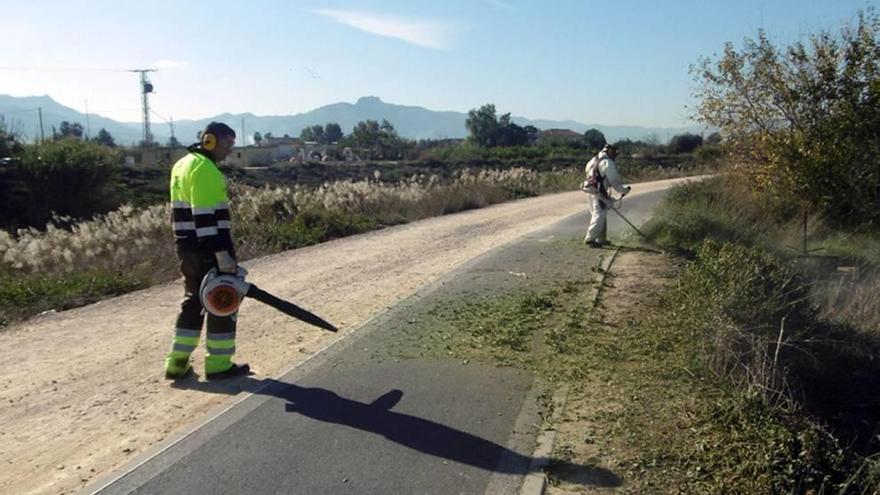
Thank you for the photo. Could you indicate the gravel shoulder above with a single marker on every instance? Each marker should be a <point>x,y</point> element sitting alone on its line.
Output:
<point>82,390</point>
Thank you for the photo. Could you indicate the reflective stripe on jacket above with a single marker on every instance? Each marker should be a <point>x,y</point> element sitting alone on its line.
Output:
<point>199,204</point>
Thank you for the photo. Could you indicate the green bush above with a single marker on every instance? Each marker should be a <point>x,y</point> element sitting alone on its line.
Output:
<point>67,178</point>
<point>696,211</point>
<point>303,229</point>
<point>747,285</point>
<point>745,446</point>
<point>24,296</point>
<point>795,384</point>
<point>802,120</point>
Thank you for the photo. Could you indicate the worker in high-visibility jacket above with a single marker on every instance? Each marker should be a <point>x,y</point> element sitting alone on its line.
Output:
<point>200,217</point>
<point>602,175</point>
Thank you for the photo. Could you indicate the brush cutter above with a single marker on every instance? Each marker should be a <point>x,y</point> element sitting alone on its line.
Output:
<point>222,293</point>
<point>615,204</point>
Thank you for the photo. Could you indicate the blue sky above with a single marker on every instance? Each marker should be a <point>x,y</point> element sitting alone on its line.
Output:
<point>619,62</point>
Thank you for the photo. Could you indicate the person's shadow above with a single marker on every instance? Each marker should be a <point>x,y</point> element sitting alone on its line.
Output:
<point>410,431</point>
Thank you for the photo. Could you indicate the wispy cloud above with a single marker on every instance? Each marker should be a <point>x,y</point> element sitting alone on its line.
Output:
<point>500,4</point>
<point>170,64</point>
<point>429,33</point>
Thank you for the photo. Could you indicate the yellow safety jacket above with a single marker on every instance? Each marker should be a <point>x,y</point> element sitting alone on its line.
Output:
<point>199,204</point>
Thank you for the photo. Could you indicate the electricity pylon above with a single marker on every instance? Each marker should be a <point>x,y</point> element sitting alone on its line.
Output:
<point>146,89</point>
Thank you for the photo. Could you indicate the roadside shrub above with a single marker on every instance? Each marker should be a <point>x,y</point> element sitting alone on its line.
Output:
<point>725,208</point>
<point>694,212</point>
<point>67,178</point>
<point>23,296</point>
<point>747,284</point>
<point>747,446</point>
<point>796,384</point>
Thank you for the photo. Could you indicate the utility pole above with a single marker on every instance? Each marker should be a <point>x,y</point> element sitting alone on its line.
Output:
<point>146,89</point>
<point>40,113</point>
<point>171,124</point>
<point>88,126</point>
<point>243,135</point>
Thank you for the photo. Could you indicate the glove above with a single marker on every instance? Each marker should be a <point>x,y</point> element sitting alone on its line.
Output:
<point>225,262</point>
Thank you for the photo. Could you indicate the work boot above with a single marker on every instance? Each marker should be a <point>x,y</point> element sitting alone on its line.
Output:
<point>176,368</point>
<point>235,371</point>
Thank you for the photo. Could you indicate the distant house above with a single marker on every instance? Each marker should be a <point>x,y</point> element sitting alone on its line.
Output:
<point>246,156</point>
<point>153,157</point>
<point>549,136</point>
<point>291,150</point>
<point>278,141</point>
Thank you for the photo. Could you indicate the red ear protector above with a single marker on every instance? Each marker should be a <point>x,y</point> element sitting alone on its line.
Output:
<point>209,141</point>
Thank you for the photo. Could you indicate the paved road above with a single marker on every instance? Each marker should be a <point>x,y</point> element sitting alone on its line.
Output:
<point>379,413</point>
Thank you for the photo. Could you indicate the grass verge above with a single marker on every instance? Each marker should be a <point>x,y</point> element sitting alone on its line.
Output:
<point>27,296</point>
<point>674,390</point>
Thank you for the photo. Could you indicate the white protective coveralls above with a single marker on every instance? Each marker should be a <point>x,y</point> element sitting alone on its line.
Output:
<point>600,201</point>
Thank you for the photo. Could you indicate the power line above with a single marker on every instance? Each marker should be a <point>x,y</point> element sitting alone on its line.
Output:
<point>61,69</point>
<point>157,114</point>
<point>170,122</point>
<point>19,111</point>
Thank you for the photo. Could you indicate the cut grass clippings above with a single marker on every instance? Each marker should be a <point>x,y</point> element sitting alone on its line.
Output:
<point>646,405</point>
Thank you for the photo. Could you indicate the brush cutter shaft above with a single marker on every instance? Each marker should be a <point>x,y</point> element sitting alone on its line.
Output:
<point>617,203</point>
<point>627,221</point>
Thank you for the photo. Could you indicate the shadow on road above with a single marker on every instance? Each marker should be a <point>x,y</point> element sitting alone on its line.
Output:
<point>410,431</point>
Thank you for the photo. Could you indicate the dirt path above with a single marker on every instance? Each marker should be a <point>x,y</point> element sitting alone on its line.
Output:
<point>585,435</point>
<point>81,392</point>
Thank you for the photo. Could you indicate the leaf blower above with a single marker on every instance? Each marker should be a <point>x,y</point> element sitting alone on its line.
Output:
<point>222,293</point>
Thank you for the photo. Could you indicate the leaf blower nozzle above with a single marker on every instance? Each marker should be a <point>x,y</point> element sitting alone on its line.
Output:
<point>222,294</point>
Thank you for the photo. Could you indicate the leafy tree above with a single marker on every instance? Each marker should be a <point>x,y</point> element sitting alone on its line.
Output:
<point>268,136</point>
<point>332,132</point>
<point>173,142</point>
<point>594,138</point>
<point>482,124</point>
<point>105,138</point>
<point>313,133</point>
<point>258,138</point>
<point>487,130</point>
<point>380,139</point>
<point>714,138</point>
<point>365,134</point>
<point>509,133</point>
<point>9,143</point>
<point>685,143</point>
<point>67,130</point>
<point>803,120</point>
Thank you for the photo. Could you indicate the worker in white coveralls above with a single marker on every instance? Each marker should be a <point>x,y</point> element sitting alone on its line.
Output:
<point>601,175</point>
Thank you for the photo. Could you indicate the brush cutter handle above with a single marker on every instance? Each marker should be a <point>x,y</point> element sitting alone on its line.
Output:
<point>289,308</point>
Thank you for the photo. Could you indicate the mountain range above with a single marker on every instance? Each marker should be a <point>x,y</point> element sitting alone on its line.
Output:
<point>413,122</point>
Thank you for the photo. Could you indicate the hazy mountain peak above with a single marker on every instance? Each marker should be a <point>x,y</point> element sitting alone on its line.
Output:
<point>369,100</point>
